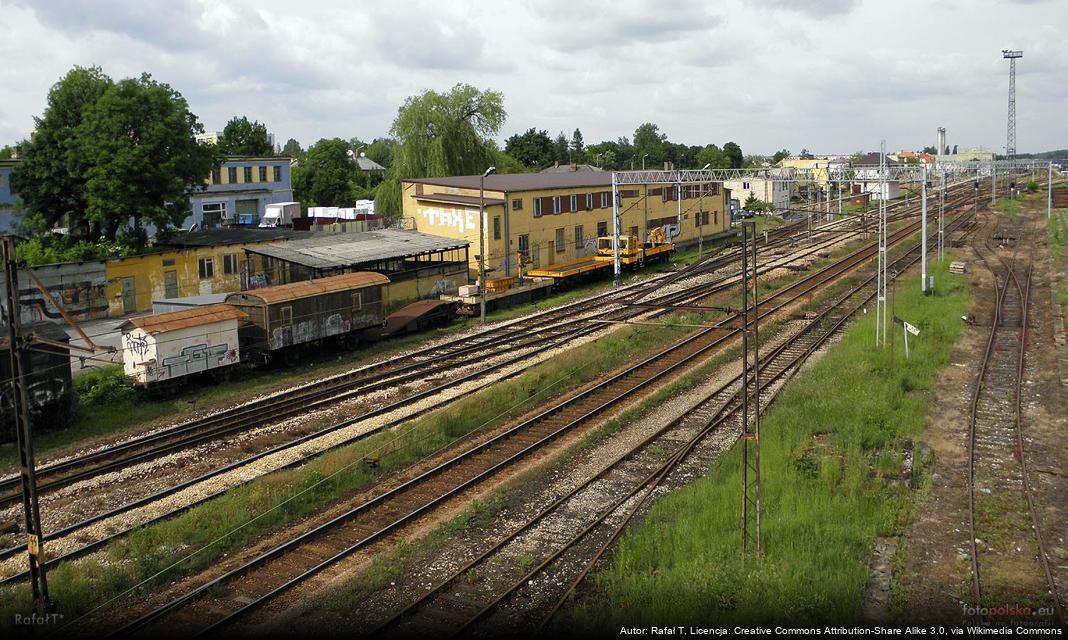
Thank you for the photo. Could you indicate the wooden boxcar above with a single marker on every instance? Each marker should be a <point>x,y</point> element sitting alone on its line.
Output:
<point>168,347</point>
<point>283,317</point>
<point>48,385</point>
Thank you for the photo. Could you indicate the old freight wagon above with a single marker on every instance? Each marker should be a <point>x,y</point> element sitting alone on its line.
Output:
<point>49,387</point>
<point>286,316</point>
<point>164,349</point>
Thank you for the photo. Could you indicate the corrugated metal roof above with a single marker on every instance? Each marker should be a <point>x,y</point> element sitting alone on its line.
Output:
<point>194,317</point>
<point>296,290</point>
<point>513,182</point>
<point>336,251</point>
<point>237,235</point>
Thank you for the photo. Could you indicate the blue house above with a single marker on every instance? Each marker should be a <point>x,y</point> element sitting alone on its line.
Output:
<point>7,199</point>
<point>239,190</point>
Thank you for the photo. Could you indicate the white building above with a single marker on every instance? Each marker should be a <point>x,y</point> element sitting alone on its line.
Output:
<point>869,181</point>
<point>769,189</point>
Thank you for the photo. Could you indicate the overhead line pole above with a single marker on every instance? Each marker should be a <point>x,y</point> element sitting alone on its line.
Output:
<point>923,232</point>
<point>27,470</point>
<point>617,268</point>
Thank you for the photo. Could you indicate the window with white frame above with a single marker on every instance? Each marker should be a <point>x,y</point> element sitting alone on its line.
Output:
<point>214,213</point>
<point>574,203</point>
<point>537,207</point>
<point>556,204</point>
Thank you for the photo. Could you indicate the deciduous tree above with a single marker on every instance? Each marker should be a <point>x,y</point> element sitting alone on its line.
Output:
<point>441,134</point>
<point>326,176</point>
<point>533,148</point>
<point>240,137</point>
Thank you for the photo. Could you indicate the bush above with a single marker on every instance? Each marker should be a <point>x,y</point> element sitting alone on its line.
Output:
<point>1032,186</point>
<point>51,249</point>
<point>103,387</point>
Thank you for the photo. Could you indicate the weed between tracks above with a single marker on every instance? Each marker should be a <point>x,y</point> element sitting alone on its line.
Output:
<point>831,453</point>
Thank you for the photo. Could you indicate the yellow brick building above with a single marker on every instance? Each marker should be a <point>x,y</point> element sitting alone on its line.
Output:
<point>556,217</point>
<point>209,262</point>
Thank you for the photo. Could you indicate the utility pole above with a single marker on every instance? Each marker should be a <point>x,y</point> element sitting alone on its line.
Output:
<point>751,487</point>
<point>923,233</point>
<point>27,469</point>
<point>880,300</point>
<point>941,215</point>
<point>1049,193</point>
<point>617,268</point>
<point>994,182</point>
<point>482,245</point>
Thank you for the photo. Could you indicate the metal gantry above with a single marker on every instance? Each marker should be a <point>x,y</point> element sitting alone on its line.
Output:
<point>880,294</point>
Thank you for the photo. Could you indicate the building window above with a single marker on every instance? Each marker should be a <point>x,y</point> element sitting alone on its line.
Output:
<point>263,173</point>
<point>216,175</point>
<point>357,301</point>
<point>214,213</point>
<point>287,315</point>
<point>574,203</point>
<point>524,244</point>
<point>496,227</point>
<point>602,229</point>
<point>206,267</point>
<point>277,173</point>
<point>248,174</point>
<point>560,247</point>
<point>556,204</point>
<point>604,199</point>
<point>231,175</point>
<point>578,237</point>
<point>537,207</point>
<point>745,185</point>
<point>168,262</point>
<point>230,264</point>
<point>517,204</point>
<point>589,201</point>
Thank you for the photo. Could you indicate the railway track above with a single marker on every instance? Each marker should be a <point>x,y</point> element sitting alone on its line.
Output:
<point>580,327</point>
<point>246,587</point>
<point>572,533</point>
<point>997,455</point>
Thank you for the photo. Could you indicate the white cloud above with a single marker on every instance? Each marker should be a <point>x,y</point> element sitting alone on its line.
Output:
<point>830,75</point>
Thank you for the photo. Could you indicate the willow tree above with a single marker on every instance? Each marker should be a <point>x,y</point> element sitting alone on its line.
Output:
<point>440,134</point>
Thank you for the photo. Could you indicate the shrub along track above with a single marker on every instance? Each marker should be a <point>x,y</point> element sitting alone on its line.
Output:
<point>995,432</point>
<point>549,338</point>
<point>274,572</point>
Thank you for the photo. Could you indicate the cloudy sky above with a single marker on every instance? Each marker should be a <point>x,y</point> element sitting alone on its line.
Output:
<point>835,76</point>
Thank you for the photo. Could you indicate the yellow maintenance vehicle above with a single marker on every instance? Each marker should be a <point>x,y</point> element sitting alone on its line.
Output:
<point>632,253</point>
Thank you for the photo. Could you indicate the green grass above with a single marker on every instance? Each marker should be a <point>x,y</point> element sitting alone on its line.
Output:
<point>831,447</point>
<point>1008,206</point>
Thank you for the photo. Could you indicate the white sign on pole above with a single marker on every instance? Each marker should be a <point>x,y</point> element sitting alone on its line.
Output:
<point>911,329</point>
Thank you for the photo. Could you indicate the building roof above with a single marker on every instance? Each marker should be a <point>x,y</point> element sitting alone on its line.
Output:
<point>367,164</point>
<point>568,168</point>
<point>513,182</point>
<point>872,159</point>
<point>234,235</point>
<point>194,317</point>
<point>336,251</point>
<point>297,290</point>
<point>448,198</point>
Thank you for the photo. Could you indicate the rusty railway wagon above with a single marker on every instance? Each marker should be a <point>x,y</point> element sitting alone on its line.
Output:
<point>284,318</point>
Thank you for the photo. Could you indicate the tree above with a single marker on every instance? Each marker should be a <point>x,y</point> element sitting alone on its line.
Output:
<point>141,157</point>
<point>327,176</point>
<point>806,155</point>
<point>954,150</point>
<point>930,150</point>
<point>779,156</point>
<point>7,152</point>
<point>292,149</point>
<point>734,153</point>
<point>755,204</point>
<point>243,138</point>
<point>49,180</point>
<point>441,134</point>
<point>561,149</point>
<point>650,142</point>
<point>381,151</point>
<point>714,156</point>
<point>533,148</point>
<point>578,148</point>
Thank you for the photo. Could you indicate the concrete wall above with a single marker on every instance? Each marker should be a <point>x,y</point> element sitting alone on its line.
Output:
<point>80,287</point>
<point>639,214</point>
